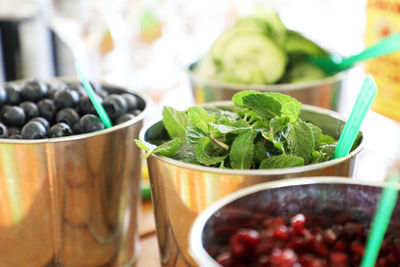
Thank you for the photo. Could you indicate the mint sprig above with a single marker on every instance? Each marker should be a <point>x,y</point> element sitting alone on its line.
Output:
<point>262,131</point>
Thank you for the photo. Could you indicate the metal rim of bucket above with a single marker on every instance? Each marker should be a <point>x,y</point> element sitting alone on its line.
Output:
<point>197,250</point>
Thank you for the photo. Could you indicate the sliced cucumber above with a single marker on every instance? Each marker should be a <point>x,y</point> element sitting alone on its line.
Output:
<point>298,44</point>
<point>303,71</point>
<point>253,56</point>
<point>205,67</point>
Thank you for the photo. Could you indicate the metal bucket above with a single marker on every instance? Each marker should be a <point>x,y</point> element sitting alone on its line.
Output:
<point>71,201</point>
<point>311,196</point>
<point>180,191</point>
<point>324,92</point>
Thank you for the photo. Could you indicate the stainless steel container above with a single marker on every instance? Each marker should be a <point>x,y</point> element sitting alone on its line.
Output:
<point>325,92</point>
<point>313,196</point>
<point>181,191</point>
<point>71,201</point>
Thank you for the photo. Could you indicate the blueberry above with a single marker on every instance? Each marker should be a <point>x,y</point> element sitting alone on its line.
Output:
<point>115,105</point>
<point>131,101</point>
<point>3,131</point>
<point>47,108</point>
<point>3,110</point>
<point>30,108</point>
<point>66,98</point>
<point>76,128</point>
<point>43,121</point>
<point>3,95</point>
<point>13,93</point>
<point>68,116</point>
<point>90,123</point>
<point>135,112</point>
<point>34,90</point>
<point>15,136</point>
<point>124,117</point>
<point>33,130</point>
<point>60,129</point>
<point>14,116</point>
<point>77,88</point>
<point>102,93</point>
<point>13,130</point>
<point>86,106</point>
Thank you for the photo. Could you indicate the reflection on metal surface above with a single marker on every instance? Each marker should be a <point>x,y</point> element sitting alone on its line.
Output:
<point>71,201</point>
<point>181,191</point>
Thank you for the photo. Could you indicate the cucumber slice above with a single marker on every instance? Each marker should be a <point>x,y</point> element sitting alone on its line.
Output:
<point>253,56</point>
<point>252,25</point>
<point>205,67</point>
<point>246,26</point>
<point>297,43</point>
<point>303,71</point>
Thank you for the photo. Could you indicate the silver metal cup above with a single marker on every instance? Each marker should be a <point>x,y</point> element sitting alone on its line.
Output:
<point>180,191</point>
<point>324,92</point>
<point>317,196</point>
<point>71,201</point>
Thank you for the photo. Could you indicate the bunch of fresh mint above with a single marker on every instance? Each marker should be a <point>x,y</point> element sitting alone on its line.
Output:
<point>262,131</point>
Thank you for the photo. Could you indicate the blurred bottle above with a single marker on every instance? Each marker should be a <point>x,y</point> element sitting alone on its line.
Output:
<point>25,43</point>
<point>383,19</point>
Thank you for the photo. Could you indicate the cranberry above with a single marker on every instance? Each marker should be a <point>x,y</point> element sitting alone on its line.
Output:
<point>283,258</point>
<point>297,222</point>
<point>281,232</point>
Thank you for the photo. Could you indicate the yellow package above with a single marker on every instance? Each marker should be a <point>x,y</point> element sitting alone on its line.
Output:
<point>383,19</point>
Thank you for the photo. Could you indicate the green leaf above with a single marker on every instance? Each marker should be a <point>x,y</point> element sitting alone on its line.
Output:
<point>300,140</point>
<point>242,151</point>
<point>265,106</point>
<point>326,140</point>
<point>146,147</point>
<point>316,157</point>
<point>200,118</point>
<point>193,134</point>
<point>175,122</point>
<point>290,106</point>
<point>224,129</point>
<point>326,151</point>
<point>316,132</point>
<point>168,149</point>
<point>281,161</point>
<point>260,152</point>
<point>238,97</point>
<point>207,153</point>
<point>278,124</point>
<point>186,154</point>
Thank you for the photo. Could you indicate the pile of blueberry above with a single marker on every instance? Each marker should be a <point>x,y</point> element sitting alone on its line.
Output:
<point>300,240</point>
<point>37,110</point>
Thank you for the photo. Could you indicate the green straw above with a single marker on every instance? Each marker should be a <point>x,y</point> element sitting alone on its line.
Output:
<point>381,221</point>
<point>363,102</point>
<point>93,97</point>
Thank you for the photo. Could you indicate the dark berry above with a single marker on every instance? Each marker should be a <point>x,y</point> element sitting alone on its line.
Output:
<point>86,106</point>
<point>13,94</point>
<point>131,101</point>
<point>42,121</point>
<point>47,109</point>
<point>68,116</point>
<point>59,130</point>
<point>34,90</point>
<point>115,105</point>
<point>3,131</point>
<point>3,110</point>
<point>125,117</point>
<point>297,222</point>
<point>13,130</point>
<point>135,112</point>
<point>15,136</point>
<point>102,93</point>
<point>3,95</point>
<point>77,88</point>
<point>33,130</point>
<point>66,98</point>
<point>90,123</point>
<point>14,116</point>
<point>76,128</point>
<point>31,110</point>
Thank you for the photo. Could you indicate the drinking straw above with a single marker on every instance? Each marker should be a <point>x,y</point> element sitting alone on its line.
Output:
<point>93,97</point>
<point>381,221</point>
<point>363,102</point>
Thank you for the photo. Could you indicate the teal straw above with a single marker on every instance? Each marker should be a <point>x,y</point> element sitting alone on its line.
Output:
<point>93,97</point>
<point>381,221</point>
<point>364,100</point>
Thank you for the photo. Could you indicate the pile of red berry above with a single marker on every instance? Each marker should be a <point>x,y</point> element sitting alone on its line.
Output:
<point>276,242</point>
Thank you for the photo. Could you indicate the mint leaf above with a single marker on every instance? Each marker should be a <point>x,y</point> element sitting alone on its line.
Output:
<point>185,153</point>
<point>225,129</point>
<point>146,147</point>
<point>167,149</point>
<point>265,106</point>
<point>316,157</point>
<point>290,107</point>
<point>300,140</point>
<point>327,151</point>
<point>242,151</point>
<point>207,152</point>
<point>193,134</point>
<point>200,118</point>
<point>326,140</point>
<point>175,122</point>
<point>316,132</point>
<point>260,152</point>
<point>277,124</point>
<point>238,97</point>
<point>281,161</point>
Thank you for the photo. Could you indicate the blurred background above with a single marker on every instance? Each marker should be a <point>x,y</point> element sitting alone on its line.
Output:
<point>147,45</point>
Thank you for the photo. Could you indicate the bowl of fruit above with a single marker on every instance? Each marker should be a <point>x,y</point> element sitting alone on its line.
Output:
<point>70,187</point>
<point>260,53</point>
<point>197,156</point>
<point>323,221</point>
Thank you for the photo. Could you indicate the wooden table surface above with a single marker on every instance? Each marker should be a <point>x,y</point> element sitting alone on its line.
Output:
<point>149,255</point>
